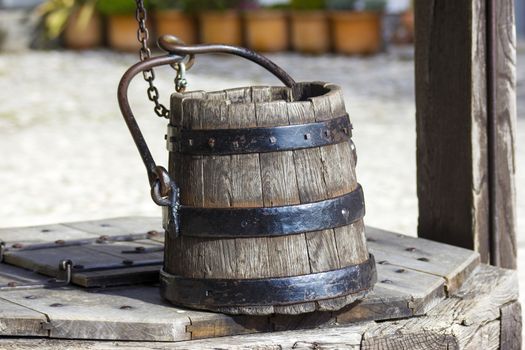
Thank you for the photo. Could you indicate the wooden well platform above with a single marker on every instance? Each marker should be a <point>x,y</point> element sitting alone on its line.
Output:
<point>428,296</point>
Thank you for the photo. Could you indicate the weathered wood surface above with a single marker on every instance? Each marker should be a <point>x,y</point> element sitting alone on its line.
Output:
<point>465,176</point>
<point>119,226</point>
<point>504,214</point>
<point>105,314</point>
<point>413,277</point>
<point>451,122</point>
<point>511,326</point>
<point>452,263</point>
<point>89,254</point>
<point>17,320</point>
<point>265,180</point>
<point>45,233</point>
<point>469,319</point>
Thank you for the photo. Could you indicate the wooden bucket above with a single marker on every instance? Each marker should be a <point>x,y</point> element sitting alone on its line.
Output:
<point>262,210</point>
<point>214,179</point>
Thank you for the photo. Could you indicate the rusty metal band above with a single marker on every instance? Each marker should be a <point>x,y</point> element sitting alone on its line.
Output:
<point>259,140</point>
<point>272,221</point>
<point>209,293</point>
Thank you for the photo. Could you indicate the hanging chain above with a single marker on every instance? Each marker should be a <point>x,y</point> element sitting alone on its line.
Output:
<point>145,53</point>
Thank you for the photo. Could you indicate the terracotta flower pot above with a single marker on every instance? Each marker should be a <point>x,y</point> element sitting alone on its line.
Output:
<point>356,32</point>
<point>221,27</point>
<point>122,32</point>
<point>407,21</point>
<point>80,36</point>
<point>266,30</point>
<point>310,31</point>
<point>177,23</point>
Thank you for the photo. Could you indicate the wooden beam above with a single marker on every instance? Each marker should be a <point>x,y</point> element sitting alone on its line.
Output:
<point>452,121</point>
<point>504,131</point>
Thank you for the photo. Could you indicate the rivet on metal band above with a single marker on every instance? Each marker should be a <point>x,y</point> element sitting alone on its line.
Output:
<point>199,292</point>
<point>272,221</point>
<point>259,140</point>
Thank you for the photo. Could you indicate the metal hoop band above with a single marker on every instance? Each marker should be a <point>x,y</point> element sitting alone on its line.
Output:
<point>215,293</point>
<point>272,221</point>
<point>259,140</point>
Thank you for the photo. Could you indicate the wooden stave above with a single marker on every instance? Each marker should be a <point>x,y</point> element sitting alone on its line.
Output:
<point>238,177</point>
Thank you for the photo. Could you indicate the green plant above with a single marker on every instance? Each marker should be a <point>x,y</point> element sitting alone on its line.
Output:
<point>118,7</point>
<point>56,13</point>
<point>308,4</point>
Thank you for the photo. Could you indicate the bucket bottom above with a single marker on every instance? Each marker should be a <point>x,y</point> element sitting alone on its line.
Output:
<point>261,295</point>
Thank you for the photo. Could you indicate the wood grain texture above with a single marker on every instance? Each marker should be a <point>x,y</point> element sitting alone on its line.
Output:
<point>511,326</point>
<point>466,320</point>
<point>46,261</point>
<point>117,314</point>
<point>265,179</point>
<point>451,121</point>
<point>118,226</point>
<point>483,313</point>
<point>466,185</point>
<point>17,320</point>
<point>37,234</point>
<point>454,264</point>
<point>504,145</point>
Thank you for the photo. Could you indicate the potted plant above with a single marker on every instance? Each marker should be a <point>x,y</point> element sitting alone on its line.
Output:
<point>76,20</point>
<point>266,28</point>
<point>356,25</point>
<point>219,21</point>
<point>309,26</point>
<point>172,17</point>
<point>121,23</point>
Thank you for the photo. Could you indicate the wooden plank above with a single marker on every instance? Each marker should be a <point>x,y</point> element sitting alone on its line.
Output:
<point>467,320</point>
<point>399,293</point>
<point>44,233</point>
<point>451,123</point>
<point>504,191</point>
<point>321,245</point>
<point>119,226</point>
<point>289,254</point>
<point>126,314</point>
<point>45,261</point>
<point>511,326</point>
<point>347,337</point>
<point>17,320</point>
<point>454,264</point>
<point>246,184</point>
<point>405,287</point>
<point>9,274</point>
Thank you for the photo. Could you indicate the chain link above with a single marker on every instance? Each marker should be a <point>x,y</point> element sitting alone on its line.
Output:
<point>145,53</point>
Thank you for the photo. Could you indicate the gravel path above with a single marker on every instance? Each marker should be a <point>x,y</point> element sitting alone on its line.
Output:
<point>66,154</point>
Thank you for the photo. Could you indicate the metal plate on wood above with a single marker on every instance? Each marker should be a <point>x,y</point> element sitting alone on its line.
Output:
<point>259,140</point>
<point>94,262</point>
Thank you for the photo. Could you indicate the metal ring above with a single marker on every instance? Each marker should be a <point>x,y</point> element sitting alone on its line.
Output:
<point>157,197</point>
<point>173,40</point>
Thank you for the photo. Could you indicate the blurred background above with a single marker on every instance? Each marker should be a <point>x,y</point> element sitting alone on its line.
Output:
<point>66,153</point>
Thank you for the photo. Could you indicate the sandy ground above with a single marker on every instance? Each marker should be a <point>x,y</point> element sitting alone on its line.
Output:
<point>66,154</point>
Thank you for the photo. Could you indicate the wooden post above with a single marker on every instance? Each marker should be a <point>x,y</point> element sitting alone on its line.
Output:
<point>465,176</point>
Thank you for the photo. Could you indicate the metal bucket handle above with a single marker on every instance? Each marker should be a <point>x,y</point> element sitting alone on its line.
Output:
<point>164,191</point>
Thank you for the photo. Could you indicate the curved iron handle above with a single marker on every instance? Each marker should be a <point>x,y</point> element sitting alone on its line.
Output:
<point>125,108</point>
<point>164,191</point>
<point>172,45</point>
